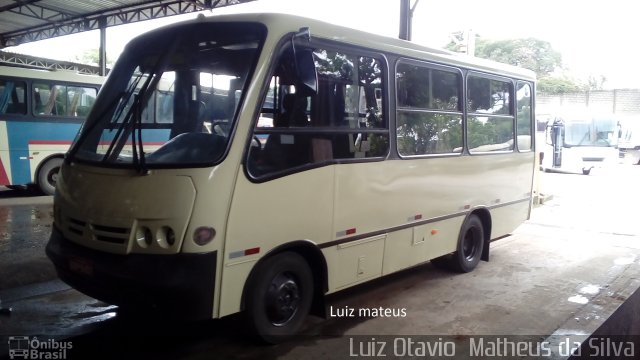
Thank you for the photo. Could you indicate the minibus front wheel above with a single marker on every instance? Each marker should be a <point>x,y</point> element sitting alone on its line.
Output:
<point>279,297</point>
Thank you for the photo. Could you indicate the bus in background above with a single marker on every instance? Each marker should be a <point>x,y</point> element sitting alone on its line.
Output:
<point>40,114</point>
<point>629,142</point>
<point>299,159</point>
<point>577,143</point>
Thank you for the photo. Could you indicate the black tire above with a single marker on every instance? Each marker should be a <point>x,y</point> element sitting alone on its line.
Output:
<point>586,171</point>
<point>279,296</point>
<point>48,175</point>
<point>471,242</point>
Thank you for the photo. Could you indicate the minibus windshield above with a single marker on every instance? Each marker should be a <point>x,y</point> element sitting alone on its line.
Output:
<point>172,98</point>
<point>596,131</point>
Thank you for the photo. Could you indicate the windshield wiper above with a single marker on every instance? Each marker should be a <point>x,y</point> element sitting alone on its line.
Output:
<point>127,126</point>
<point>138,150</point>
<point>133,117</point>
<point>121,99</point>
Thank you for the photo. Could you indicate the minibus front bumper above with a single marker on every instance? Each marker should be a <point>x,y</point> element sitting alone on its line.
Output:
<point>180,285</point>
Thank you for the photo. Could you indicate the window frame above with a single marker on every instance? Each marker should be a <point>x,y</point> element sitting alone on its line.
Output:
<point>532,124</point>
<point>30,114</point>
<point>27,97</point>
<point>461,109</point>
<point>470,114</point>
<point>323,44</point>
<point>51,83</point>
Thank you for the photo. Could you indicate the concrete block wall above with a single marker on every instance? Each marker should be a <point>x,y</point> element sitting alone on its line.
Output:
<point>619,101</point>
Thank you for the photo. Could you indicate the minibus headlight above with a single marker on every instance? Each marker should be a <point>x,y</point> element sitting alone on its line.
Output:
<point>171,236</point>
<point>144,238</point>
<point>203,235</point>
<point>166,237</point>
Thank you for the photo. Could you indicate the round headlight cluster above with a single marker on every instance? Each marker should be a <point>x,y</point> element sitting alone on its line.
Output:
<point>165,237</point>
<point>144,238</point>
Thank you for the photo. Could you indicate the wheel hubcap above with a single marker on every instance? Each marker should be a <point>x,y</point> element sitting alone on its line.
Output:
<point>470,245</point>
<point>53,176</point>
<point>283,299</point>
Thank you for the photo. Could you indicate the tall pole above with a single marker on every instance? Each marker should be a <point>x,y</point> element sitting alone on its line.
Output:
<point>102,52</point>
<point>471,42</point>
<point>406,18</point>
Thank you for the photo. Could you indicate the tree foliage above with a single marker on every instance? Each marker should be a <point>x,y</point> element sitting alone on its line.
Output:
<point>533,54</point>
<point>529,53</point>
<point>92,57</point>
<point>557,85</point>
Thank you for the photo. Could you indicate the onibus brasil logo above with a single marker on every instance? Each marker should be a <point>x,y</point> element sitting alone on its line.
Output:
<point>25,347</point>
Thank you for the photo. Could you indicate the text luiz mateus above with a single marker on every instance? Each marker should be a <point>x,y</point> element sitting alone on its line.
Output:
<point>347,311</point>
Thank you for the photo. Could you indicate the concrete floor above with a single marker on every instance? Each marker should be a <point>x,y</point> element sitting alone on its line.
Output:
<point>558,278</point>
<point>25,226</point>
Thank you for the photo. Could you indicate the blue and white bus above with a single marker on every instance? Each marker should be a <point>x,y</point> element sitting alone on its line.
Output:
<point>40,115</point>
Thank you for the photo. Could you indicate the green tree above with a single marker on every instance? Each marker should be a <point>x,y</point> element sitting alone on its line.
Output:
<point>533,54</point>
<point>529,53</point>
<point>557,85</point>
<point>91,57</point>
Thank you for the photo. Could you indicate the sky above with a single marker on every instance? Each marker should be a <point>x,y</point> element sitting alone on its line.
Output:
<point>594,37</point>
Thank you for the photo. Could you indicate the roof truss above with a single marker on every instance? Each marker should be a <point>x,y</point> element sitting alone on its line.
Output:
<point>51,21</point>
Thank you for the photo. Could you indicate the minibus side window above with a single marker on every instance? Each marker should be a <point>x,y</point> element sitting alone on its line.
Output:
<point>343,120</point>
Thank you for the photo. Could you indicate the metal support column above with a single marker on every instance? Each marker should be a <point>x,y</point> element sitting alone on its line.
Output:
<point>102,56</point>
<point>406,18</point>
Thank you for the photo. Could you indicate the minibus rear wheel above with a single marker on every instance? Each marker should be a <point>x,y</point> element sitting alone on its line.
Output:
<point>279,297</point>
<point>470,245</point>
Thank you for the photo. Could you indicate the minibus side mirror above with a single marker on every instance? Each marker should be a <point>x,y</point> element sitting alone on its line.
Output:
<point>307,75</point>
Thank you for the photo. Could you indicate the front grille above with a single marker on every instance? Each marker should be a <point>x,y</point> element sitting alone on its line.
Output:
<point>110,239</point>
<point>76,226</point>
<point>110,234</point>
<point>595,159</point>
